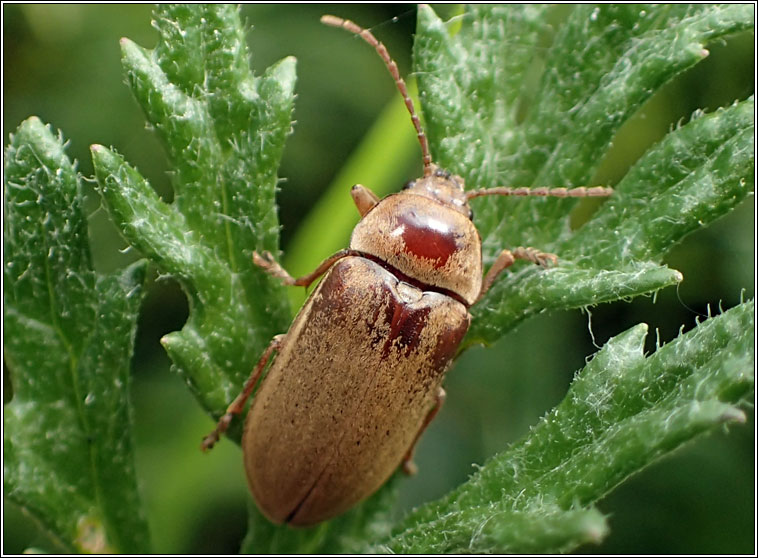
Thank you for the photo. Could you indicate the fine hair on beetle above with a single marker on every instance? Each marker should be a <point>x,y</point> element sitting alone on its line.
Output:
<point>357,378</point>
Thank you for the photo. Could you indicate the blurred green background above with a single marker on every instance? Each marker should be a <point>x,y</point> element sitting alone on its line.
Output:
<point>61,63</point>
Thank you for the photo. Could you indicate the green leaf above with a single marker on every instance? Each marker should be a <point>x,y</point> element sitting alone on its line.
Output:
<point>507,101</point>
<point>224,131</point>
<point>695,175</point>
<point>486,124</point>
<point>623,411</point>
<point>348,533</point>
<point>68,447</point>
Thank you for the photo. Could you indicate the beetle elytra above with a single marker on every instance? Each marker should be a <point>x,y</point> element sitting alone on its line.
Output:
<point>357,377</point>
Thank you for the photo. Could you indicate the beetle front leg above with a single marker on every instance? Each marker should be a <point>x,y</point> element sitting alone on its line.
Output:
<point>266,261</point>
<point>238,404</point>
<point>506,260</point>
<point>409,467</point>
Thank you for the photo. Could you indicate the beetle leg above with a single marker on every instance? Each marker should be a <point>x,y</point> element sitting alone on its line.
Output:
<point>364,198</point>
<point>508,257</point>
<point>266,261</point>
<point>409,467</point>
<point>238,405</point>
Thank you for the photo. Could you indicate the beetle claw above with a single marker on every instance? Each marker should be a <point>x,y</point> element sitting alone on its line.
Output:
<point>264,259</point>
<point>211,439</point>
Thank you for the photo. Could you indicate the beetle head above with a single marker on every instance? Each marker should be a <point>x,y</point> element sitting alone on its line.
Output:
<point>443,187</point>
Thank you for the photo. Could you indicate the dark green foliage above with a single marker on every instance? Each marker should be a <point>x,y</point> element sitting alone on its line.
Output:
<point>224,131</point>
<point>602,65</point>
<point>69,334</point>
<point>622,412</point>
<point>509,99</point>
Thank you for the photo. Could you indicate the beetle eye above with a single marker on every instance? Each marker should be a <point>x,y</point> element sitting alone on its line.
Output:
<point>471,214</point>
<point>409,184</point>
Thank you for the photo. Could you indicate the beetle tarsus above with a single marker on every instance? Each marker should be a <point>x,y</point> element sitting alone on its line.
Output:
<point>212,439</point>
<point>507,258</point>
<point>266,261</point>
<point>208,442</point>
<point>542,259</point>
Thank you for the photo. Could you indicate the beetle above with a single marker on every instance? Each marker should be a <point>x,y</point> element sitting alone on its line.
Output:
<point>357,377</point>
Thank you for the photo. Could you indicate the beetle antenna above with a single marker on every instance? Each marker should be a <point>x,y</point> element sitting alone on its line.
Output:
<point>366,35</point>
<point>580,192</point>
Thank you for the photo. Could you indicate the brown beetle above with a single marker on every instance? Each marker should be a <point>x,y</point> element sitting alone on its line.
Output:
<point>357,378</point>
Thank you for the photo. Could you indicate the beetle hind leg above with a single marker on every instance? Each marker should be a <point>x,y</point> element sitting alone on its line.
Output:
<point>238,405</point>
<point>409,467</point>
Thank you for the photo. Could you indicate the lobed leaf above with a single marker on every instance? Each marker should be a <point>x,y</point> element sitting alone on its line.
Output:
<point>695,175</point>
<point>623,411</point>
<point>543,528</point>
<point>224,131</point>
<point>501,108</point>
<point>481,118</point>
<point>486,124</point>
<point>68,442</point>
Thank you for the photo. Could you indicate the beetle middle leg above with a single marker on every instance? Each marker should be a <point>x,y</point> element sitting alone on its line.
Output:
<point>409,467</point>
<point>238,405</point>
<point>507,258</point>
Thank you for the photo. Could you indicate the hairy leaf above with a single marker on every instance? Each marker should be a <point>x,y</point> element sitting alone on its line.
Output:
<point>224,131</point>
<point>507,101</point>
<point>623,411</point>
<point>487,125</point>
<point>69,333</point>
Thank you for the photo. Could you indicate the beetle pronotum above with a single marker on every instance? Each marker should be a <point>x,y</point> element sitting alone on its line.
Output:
<point>357,378</point>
